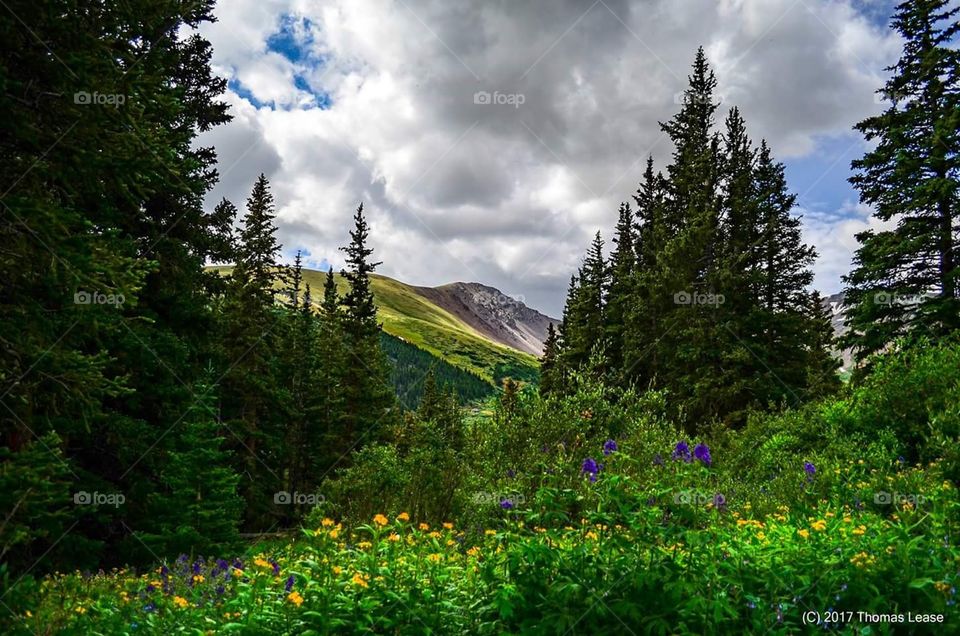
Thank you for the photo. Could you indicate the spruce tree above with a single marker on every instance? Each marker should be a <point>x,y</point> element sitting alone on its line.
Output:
<point>369,401</point>
<point>904,279</point>
<point>621,287</point>
<point>551,380</point>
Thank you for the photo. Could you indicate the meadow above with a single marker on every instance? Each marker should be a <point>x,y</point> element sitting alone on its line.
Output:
<point>831,516</point>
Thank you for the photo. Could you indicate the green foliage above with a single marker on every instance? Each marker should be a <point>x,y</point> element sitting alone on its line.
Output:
<point>904,279</point>
<point>409,366</point>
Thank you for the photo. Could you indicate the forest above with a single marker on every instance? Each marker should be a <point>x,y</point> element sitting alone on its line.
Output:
<point>185,449</point>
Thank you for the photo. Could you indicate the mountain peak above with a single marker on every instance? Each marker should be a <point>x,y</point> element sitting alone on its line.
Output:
<point>498,316</point>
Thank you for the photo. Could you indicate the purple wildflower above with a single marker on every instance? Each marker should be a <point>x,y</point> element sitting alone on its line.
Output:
<point>702,452</point>
<point>719,501</point>
<point>590,468</point>
<point>609,446</point>
<point>658,460</point>
<point>276,567</point>
<point>809,468</point>
<point>506,504</point>
<point>289,584</point>
<point>682,451</point>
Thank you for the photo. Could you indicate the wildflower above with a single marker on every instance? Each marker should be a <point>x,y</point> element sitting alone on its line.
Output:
<point>295,598</point>
<point>380,520</point>
<point>80,609</point>
<point>393,537</point>
<point>335,533</point>
<point>490,533</point>
<point>180,602</point>
<point>435,535</point>
<point>609,446</point>
<point>820,525</point>
<point>434,558</point>
<point>327,522</point>
<point>719,501</point>
<point>474,551</point>
<point>682,451</point>
<point>448,525</point>
<point>424,526</point>
<point>288,586</point>
<point>590,467</point>
<point>197,578</point>
<point>506,504</point>
<point>403,516</point>
<point>359,580</point>
<point>860,530</point>
<point>337,570</point>
<point>363,545</point>
<point>702,452</point>
<point>803,532</point>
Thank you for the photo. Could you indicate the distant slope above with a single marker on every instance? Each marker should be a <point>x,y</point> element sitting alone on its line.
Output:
<point>412,317</point>
<point>410,365</point>
<point>494,314</point>
<point>834,305</point>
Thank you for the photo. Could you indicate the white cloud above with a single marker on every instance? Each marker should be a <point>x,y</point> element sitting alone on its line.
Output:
<point>503,195</point>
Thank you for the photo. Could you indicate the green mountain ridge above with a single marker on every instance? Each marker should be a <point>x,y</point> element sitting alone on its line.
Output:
<point>408,315</point>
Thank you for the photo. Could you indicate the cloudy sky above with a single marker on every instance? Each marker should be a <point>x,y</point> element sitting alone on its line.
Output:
<point>343,101</point>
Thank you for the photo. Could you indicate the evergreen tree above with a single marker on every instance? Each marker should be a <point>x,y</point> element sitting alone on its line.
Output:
<point>368,397</point>
<point>584,326</point>
<point>904,279</point>
<point>198,509</point>
<point>621,287</point>
<point>551,380</point>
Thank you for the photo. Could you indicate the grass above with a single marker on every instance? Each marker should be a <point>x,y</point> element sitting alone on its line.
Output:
<point>408,315</point>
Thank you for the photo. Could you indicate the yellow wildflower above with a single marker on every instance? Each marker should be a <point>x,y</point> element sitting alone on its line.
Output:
<point>491,533</point>
<point>393,537</point>
<point>803,532</point>
<point>424,526</point>
<point>448,525</point>
<point>327,522</point>
<point>474,551</point>
<point>591,535</point>
<point>360,580</point>
<point>434,558</point>
<point>820,525</point>
<point>380,520</point>
<point>180,602</point>
<point>295,598</point>
<point>337,569</point>
<point>198,578</point>
<point>363,545</point>
<point>403,517</point>
<point>860,530</point>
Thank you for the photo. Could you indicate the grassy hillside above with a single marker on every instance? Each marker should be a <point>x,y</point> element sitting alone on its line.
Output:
<point>411,317</point>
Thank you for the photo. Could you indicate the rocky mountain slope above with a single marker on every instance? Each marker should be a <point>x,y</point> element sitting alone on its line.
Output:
<point>497,316</point>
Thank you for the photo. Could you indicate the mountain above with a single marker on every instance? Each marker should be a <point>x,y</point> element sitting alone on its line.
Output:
<point>499,317</point>
<point>408,313</point>
<point>834,305</point>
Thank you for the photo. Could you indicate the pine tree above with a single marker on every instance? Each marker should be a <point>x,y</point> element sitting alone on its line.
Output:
<point>198,509</point>
<point>822,362</point>
<point>551,380</point>
<point>583,325</point>
<point>369,401</point>
<point>904,279</point>
<point>256,408</point>
<point>621,287</point>
<point>295,281</point>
